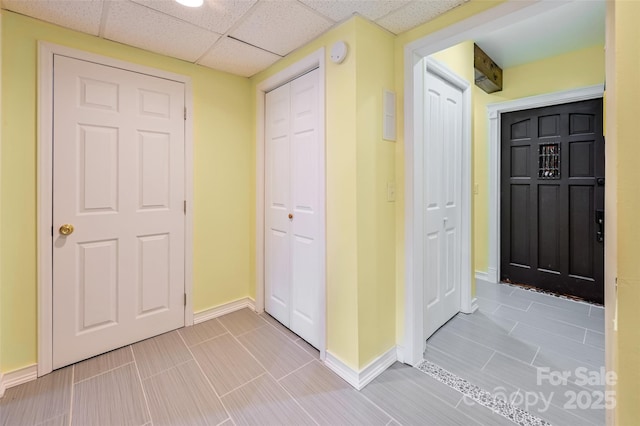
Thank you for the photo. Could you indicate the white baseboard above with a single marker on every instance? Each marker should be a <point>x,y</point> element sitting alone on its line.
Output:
<point>492,275</point>
<point>472,307</point>
<point>400,353</point>
<point>227,308</point>
<point>359,379</point>
<point>483,276</point>
<point>18,377</point>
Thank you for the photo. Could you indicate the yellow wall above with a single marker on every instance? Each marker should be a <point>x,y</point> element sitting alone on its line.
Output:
<point>375,215</point>
<point>623,92</point>
<point>459,59</point>
<point>222,167</point>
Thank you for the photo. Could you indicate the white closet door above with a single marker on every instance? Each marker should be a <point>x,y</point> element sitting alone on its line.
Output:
<point>294,229</point>
<point>278,205</point>
<point>442,174</point>
<point>119,181</point>
<point>306,256</point>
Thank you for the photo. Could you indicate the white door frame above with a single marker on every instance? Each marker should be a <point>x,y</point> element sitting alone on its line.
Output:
<point>313,61</point>
<point>46,52</point>
<point>494,112</point>
<point>414,53</point>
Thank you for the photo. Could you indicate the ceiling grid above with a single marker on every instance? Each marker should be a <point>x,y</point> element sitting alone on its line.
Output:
<point>244,37</point>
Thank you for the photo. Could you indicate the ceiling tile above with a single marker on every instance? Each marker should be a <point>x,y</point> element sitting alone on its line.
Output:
<point>415,13</point>
<point>214,15</point>
<point>339,10</point>
<point>280,26</point>
<point>238,58</point>
<point>139,26</point>
<point>81,16</point>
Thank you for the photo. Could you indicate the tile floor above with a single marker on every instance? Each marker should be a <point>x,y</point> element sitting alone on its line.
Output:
<point>245,368</point>
<point>515,335</point>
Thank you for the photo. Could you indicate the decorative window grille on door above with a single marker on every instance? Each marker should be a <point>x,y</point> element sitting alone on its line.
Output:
<point>549,161</point>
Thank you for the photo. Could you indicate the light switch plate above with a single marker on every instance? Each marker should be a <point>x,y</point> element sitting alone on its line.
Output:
<point>391,191</point>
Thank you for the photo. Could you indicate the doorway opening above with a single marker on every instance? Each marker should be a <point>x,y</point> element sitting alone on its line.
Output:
<point>502,336</point>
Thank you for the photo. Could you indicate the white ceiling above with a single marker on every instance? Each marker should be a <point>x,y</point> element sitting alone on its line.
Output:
<point>244,37</point>
<point>564,27</point>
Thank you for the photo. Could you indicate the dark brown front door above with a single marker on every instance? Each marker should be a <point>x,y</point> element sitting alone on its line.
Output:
<point>552,199</point>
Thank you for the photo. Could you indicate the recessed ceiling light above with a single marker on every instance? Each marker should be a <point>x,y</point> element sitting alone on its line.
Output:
<point>190,3</point>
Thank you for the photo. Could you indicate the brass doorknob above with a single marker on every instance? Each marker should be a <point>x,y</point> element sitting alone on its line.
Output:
<point>290,216</point>
<point>66,229</point>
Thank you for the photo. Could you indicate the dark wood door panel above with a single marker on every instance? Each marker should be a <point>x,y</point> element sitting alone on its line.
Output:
<point>552,158</point>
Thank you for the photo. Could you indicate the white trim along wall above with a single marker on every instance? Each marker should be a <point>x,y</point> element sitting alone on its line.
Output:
<point>224,309</point>
<point>502,15</point>
<point>46,52</point>
<point>360,379</point>
<point>17,377</point>
<point>311,62</point>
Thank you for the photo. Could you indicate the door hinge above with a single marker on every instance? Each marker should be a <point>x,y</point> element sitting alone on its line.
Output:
<point>185,113</point>
<point>185,299</point>
<point>184,206</point>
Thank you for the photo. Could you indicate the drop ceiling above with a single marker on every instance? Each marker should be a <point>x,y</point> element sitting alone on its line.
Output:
<point>244,37</point>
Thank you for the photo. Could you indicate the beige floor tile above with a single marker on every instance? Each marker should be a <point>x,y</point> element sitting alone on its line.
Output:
<point>182,396</point>
<point>226,363</point>
<point>275,323</point>
<point>62,420</point>
<point>38,401</point>
<point>160,353</point>
<point>410,404</point>
<point>102,363</point>
<point>278,354</point>
<point>329,399</point>
<point>200,332</point>
<point>113,398</point>
<point>241,321</point>
<point>307,347</point>
<point>264,402</point>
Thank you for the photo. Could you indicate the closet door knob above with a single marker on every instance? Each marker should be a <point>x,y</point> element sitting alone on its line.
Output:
<point>290,215</point>
<point>66,229</point>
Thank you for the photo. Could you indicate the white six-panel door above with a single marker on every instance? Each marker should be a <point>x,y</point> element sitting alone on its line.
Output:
<point>442,180</point>
<point>293,249</point>
<point>119,181</point>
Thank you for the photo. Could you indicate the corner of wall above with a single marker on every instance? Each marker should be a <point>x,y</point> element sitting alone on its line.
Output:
<point>359,378</point>
<point>375,170</point>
